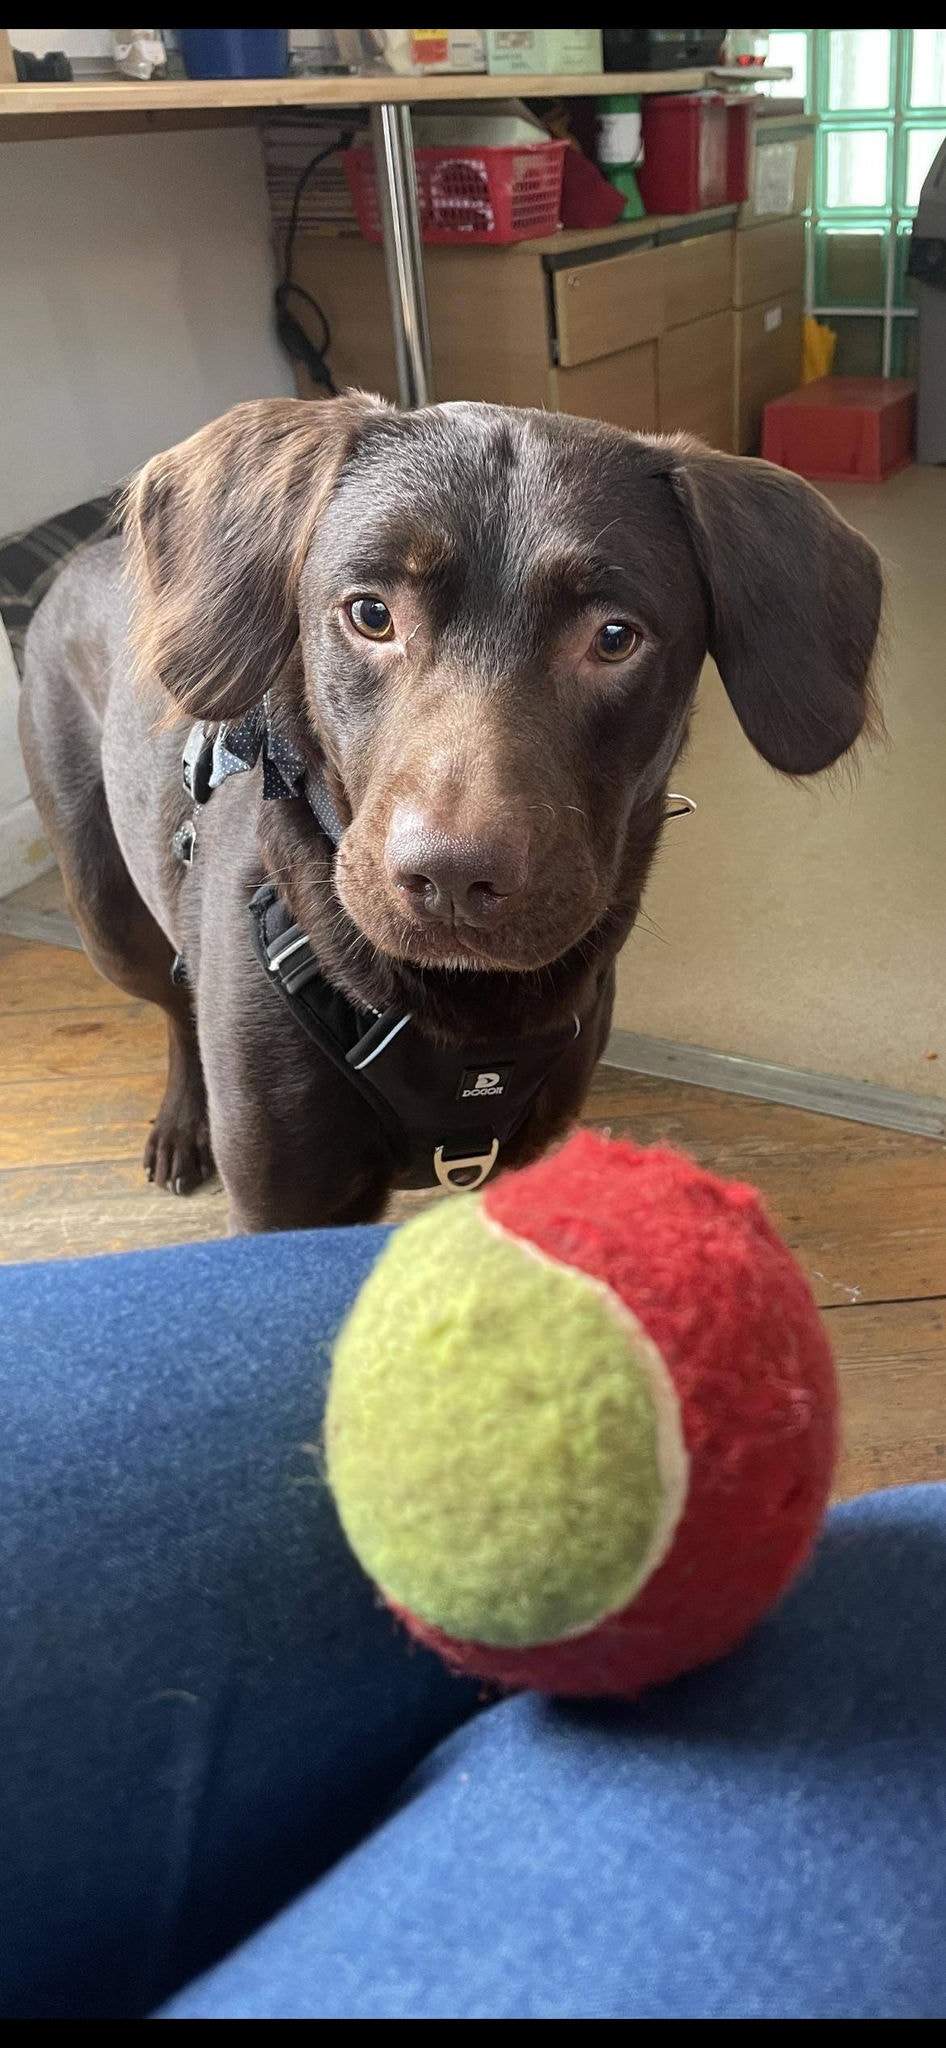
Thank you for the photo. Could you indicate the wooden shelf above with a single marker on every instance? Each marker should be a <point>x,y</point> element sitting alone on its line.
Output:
<point>102,98</point>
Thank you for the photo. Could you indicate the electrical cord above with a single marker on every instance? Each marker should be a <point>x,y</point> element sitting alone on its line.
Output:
<point>299,345</point>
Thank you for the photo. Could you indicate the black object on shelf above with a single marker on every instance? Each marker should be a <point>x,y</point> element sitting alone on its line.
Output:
<point>53,69</point>
<point>661,49</point>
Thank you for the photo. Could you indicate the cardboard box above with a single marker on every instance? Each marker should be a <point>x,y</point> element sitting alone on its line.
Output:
<point>768,363</point>
<point>695,367</point>
<point>783,159</point>
<point>420,52</point>
<point>608,305</point>
<point>769,261</point>
<point>621,389</point>
<point>698,277</point>
<point>576,51</point>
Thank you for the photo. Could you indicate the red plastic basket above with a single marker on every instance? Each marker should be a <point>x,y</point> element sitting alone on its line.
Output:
<point>471,195</point>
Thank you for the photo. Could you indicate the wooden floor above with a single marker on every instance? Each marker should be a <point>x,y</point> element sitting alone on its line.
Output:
<point>865,1209</point>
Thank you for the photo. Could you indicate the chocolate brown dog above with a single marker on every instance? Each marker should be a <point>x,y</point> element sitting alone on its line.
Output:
<point>478,633</point>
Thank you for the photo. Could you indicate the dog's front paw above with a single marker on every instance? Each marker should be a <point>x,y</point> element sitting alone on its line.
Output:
<point>178,1155</point>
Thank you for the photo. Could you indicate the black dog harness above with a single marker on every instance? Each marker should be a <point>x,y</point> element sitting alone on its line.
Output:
<point>446,1113</point>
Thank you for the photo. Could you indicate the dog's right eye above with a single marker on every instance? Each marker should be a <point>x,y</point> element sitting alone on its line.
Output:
<point>371,617</point>
<point>616,641</point>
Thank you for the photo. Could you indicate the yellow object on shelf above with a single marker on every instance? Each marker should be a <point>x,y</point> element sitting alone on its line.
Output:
<point>817,350</point>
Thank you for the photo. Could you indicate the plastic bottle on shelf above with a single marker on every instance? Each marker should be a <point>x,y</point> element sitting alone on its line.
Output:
<point>620,147</point>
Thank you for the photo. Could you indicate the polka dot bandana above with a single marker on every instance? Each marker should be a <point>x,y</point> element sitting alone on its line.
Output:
<point>239,747</point>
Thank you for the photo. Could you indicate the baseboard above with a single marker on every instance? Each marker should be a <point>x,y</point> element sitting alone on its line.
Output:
<point>859,1102</point>
<point>24,851</point>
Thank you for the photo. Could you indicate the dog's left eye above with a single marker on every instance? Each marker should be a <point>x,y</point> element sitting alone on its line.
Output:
<point>615,641</point>
<point>370,617</point>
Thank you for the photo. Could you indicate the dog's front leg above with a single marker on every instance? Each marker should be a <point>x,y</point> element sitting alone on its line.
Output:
<point>295,1144</point>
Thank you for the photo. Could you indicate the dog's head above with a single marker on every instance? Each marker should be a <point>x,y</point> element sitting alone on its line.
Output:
<point>489,627</point>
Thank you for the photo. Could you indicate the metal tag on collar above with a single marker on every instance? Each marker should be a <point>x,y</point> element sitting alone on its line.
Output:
<point>184,843</point>
<point>476,1166</point>
<point>684,806</point>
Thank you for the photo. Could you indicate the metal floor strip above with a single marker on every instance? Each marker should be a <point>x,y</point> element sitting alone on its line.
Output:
<point>860,1102</point>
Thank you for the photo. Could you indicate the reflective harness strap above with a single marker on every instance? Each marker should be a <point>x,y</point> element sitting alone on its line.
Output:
<point>445,1112</point>
<point>289,963</point>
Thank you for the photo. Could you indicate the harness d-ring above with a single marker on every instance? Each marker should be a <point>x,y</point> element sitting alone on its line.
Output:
<point>480,1163</point>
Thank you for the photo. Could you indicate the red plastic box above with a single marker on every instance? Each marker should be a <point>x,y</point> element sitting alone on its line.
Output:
<point>686,142</point>
<point>843,428</point>
<point>740,144</point>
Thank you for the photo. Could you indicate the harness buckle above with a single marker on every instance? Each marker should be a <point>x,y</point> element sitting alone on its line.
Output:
<point>477,1164</point>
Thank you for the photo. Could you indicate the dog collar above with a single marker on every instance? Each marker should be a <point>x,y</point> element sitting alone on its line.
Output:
<point>210,758</point>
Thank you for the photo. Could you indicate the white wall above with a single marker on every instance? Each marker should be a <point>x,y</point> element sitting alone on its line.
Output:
<point>136,279</point>
<point>136,288</point>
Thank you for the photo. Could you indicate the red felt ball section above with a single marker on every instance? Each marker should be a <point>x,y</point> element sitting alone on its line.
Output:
<point>698,1262</point>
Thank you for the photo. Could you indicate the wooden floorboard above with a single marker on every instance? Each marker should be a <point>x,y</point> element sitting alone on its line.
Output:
<point>34,977</point>
<point>892,1363</point>
<point>81,1074</point>
<point>84,1043</point>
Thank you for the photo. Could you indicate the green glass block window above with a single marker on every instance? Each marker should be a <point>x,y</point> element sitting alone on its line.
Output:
<point>851,265</point>
<point>928,68</point>
<point>905,336</point>
<point>859,71</point>
<point>921,145</point>
<point>856,168</point>
<point>880,94</point>
<point>860,350</point>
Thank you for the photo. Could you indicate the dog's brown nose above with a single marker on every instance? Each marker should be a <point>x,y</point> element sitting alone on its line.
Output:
<point>446,877</point>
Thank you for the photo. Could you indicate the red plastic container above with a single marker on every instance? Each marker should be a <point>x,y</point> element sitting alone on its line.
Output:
<point>686,138</point>
<point>840,428</point>
<point>471,195</point>
<point>740,142</point>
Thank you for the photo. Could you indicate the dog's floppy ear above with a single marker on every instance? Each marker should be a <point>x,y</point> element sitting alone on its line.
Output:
<point>794,598</point>
<point>218,530</point>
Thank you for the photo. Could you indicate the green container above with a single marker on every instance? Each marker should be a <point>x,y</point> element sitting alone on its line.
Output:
<point>576,51</point>
<point>620,146</point>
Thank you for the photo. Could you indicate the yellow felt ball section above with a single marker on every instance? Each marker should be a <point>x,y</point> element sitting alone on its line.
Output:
<point>492,1436</point>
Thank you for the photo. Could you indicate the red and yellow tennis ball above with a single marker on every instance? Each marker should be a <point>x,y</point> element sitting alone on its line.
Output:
<point>581,1429</point>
